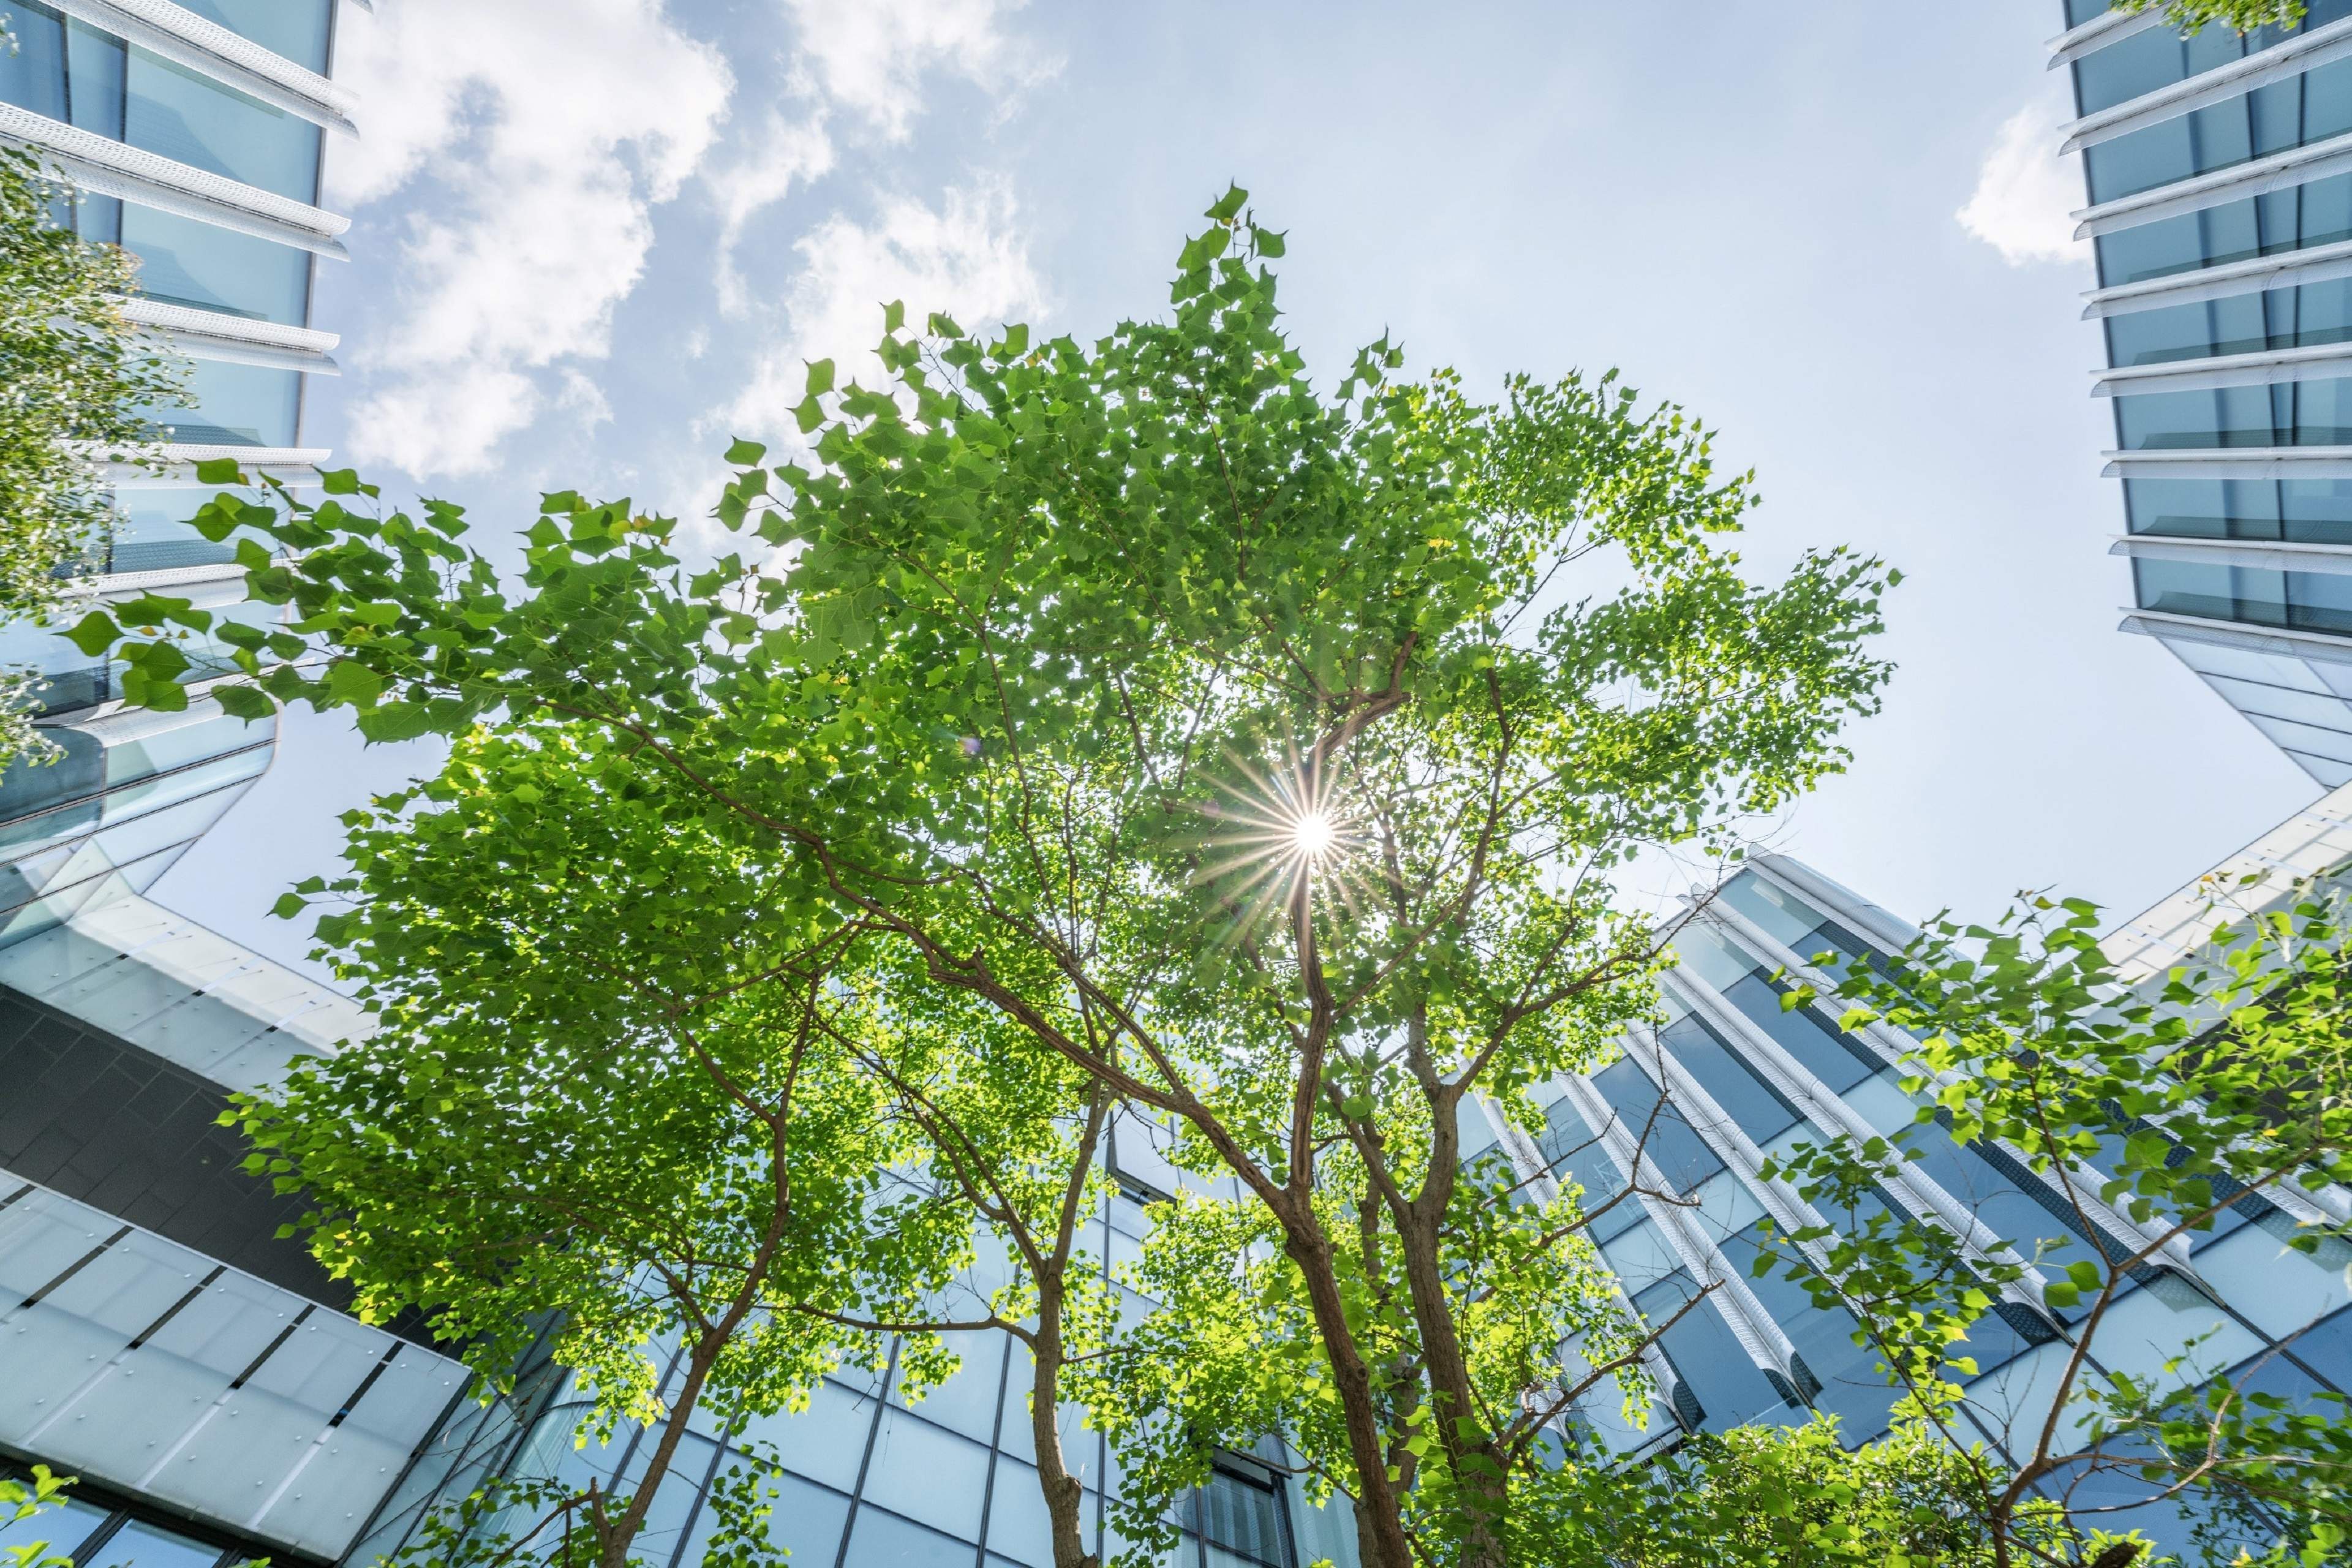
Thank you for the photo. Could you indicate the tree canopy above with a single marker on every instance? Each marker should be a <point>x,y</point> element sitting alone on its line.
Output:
<point>1264,753</point>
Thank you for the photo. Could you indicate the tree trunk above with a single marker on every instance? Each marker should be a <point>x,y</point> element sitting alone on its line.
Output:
<point>1483,1493</point>
<point>1065,1494</point>
<point>1378,1521</point>
<point>616,1542</point>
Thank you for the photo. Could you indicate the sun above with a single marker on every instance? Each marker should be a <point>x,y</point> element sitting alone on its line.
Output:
<point>1312,835</point>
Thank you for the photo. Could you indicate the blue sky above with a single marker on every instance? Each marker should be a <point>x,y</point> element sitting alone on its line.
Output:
<point>594,239</point>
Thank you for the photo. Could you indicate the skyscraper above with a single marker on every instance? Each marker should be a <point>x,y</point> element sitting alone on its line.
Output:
<point>157,1338</point>
<point>194,137</point>
<point>2218,173</point>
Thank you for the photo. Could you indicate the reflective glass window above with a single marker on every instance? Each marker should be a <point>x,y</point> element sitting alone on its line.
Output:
<point>2319,601</point>
<point>2303,511</point>
<point>183,262</point>
<point>1780,914</point>
<point>1839,1060</point>
<point>152,531</point>
<point>194,120</point>
<point>1853,1388</point>
<point>1681,1160</point>
<point>2316,512</point>
<point>2216,591</point>
<point>2013,1216</point>
<point>1241,1520</point>
<point>141,1545</point>
<point>2153,155</point>
<point>880,1540</point>
<point>2270,119</point>
<point>2202,508</point>
<point>33,74</point>
<point>2326,1347</point>
<point>2152,58</point>
<point>1576,1155</point>
<point>1752,1104</point>
<point>2220,416</point>
<point>63,1526</point>
<point>2323,411</point>
<point>94,79</point>
<point>234,405</point>
<point>1732,1389</point>
<point>26,786</point>
<point>2297,218</point>
<point>298,30</point>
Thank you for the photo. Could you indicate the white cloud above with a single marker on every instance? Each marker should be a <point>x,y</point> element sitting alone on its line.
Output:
<point>964,257</point>
<point>786,152</point>
<point>864,62</point>
<point>2025,192</point>
<point>869,56</point>
<point>550,132</point>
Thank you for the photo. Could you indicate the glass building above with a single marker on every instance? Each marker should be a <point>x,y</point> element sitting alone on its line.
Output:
<point>192,136</point>
<point>2218,177</point>
<point>1729,1079</point>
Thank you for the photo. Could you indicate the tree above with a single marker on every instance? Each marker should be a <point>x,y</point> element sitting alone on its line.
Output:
<point>654,1133</point>
<point>1264,753</point>
<point>2211,1095</point>
<point>72,374</point>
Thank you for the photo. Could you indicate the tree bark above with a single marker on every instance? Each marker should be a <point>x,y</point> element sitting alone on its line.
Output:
<point>1065,1494</point>
<point>615,1543</point>
<point>1483,1494</point>
<point>1378,1521</point>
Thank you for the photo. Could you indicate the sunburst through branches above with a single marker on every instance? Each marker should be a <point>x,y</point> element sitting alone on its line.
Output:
<point>1279,838</point>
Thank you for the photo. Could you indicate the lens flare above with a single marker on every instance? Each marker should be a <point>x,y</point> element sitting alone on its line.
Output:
<point>1313,834</point>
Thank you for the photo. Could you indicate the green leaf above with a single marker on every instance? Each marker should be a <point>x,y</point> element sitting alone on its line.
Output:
<point>819,379</point>
<point>339,481</point>
<point>94,633</point>
<point>219,471</point>
<point>1231,203</point>
<point>288,905</point>
<point>894,316</point>
<point>349,681</point>
<point>249,703</point>
<point>742,453</point>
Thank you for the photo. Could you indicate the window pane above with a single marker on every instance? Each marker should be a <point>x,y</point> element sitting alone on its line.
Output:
<point>1681,1159</point>
<point>1731,1388</point>
<point>183,262</point>
<point>94,79</point>
<point>2316,512</point>
<point>141,1545</point>
<point>183,115</point>
<point>234,405</point>
<point>1836,1057</point>
<point>1744,1097</point>
<point>294,29</point>
<point>2319,600</point>
<point>33,75</point>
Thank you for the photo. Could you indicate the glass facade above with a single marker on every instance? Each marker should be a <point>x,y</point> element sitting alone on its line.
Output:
<point>1759,1080</point>
<point>75,73</point>
<point>2159,307</point>
<point>158,1339</point>
<point>98,825</point>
